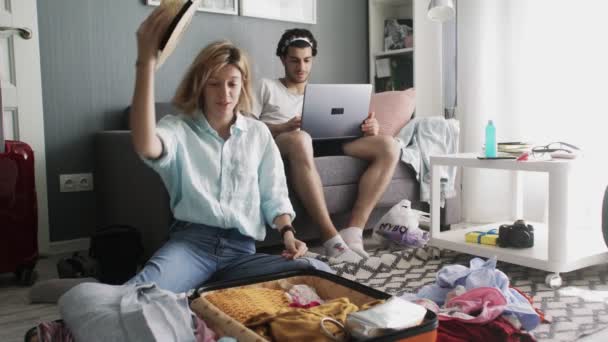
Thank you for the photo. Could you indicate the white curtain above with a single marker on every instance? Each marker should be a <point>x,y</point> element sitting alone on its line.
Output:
<point>539,70</point>
<point>449,69</point>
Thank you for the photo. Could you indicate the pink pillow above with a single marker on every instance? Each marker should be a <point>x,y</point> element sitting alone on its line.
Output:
<point>393,109</point>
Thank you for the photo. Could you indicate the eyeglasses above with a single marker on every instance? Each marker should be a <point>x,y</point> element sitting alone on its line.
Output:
<point>557,146</point>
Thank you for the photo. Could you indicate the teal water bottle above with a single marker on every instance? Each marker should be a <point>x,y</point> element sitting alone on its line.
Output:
<point>490,140</point>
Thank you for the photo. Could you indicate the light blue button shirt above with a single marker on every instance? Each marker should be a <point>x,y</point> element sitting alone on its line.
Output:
<point>234,183</point>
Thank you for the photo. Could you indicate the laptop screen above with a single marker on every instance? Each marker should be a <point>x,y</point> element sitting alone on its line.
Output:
<point>335,111</point>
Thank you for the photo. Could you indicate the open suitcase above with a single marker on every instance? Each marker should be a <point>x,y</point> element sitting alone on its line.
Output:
<point>328,286</point>
<point>18,209</point>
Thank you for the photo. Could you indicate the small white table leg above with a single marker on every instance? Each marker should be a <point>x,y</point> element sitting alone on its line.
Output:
<point>558,217</point>
<point>435,199</point>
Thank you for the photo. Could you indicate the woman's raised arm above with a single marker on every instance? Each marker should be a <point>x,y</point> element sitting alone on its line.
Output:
<point>142,117</point>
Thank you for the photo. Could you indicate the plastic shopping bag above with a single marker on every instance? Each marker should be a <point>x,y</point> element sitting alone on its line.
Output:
<point>400,226</point>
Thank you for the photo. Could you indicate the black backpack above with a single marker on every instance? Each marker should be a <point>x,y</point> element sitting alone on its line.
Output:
<point>118,250</point>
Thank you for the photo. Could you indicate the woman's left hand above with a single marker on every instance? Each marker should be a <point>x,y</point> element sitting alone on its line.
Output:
<point>294,248</point>
<point>370,126</point>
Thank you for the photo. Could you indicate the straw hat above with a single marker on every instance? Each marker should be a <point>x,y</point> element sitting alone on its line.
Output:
<point>182,17</point>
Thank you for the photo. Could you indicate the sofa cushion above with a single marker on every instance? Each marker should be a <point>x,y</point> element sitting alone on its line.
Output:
<point>393,109</point>
<point>340,170</point>
<point>341,198</point>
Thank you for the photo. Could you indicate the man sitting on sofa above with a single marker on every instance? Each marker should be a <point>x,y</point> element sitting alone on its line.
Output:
<point>280,105</point>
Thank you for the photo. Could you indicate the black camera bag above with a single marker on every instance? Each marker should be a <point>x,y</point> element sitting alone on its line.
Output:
<point>516,235</point>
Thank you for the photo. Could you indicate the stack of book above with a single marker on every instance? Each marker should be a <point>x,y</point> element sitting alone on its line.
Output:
<point>514,149</point>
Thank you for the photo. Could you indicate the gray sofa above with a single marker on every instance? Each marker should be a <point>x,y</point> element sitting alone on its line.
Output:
<point>128,192</point>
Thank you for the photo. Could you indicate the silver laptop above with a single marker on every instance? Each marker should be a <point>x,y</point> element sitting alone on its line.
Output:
<point>335,111</point>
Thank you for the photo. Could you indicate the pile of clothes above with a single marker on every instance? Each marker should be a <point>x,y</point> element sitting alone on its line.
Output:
<point>99,312</point>
<point>476,303</point>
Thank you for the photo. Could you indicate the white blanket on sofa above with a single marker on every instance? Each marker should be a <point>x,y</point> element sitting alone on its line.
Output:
<point>423,137</point>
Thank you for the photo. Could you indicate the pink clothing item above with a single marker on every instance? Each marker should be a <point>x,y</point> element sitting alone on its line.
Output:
<point>304,306</point>
<point>54,331</point>
<point>302,295</point>
<point>480,305</point>
<point>203,333</point>
<point>496,330</point>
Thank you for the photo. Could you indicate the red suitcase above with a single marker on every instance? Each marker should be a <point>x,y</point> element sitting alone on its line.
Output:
<point>18,209</point>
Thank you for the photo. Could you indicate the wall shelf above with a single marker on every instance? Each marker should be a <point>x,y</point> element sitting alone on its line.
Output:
<point>398,74</point>
<point>394,52</point>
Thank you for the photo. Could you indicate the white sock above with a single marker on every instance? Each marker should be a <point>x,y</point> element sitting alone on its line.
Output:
<point>336,248</point>
<point>353,236</point>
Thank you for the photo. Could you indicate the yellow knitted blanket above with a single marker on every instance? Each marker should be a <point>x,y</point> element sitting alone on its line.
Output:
<point>244,303</point>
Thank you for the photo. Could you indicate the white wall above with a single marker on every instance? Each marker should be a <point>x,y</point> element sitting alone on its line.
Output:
<point>427,62</point>
<point>477,93</point>
<point>538,69</point>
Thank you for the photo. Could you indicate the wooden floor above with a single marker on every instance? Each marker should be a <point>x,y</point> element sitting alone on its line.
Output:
<point>17,315</point>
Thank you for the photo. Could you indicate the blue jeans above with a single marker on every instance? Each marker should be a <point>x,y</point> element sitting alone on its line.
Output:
<point>196,254</point>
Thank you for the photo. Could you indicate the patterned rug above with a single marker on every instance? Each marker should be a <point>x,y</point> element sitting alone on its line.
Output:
<point>578,308</point>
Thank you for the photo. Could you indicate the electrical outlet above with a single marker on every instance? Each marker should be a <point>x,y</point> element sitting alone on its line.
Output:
<point>76,182</point>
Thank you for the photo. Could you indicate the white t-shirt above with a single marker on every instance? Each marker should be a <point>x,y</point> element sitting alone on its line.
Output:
<point>275,104</point>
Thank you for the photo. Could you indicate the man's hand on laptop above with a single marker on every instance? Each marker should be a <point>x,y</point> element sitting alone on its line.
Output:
<point>293,124</point>
<point>370,126</point>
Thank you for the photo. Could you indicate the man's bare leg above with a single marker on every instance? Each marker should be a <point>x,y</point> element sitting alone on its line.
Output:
<point>296,146</point>
<point>382,152</point>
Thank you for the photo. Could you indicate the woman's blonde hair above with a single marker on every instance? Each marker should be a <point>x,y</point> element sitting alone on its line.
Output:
<point>189,94</point>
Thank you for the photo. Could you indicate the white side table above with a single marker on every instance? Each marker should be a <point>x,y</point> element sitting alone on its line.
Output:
<point>561,245</point>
